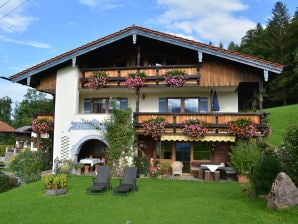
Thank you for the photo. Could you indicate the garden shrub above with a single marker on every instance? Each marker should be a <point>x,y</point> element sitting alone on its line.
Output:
<point>244,155</point>
<point>264,173</point>
<point>4,183</point>
<point>28,164</point>
<point>143,165</point>
<point>289,152</point>
<point>3,149</point>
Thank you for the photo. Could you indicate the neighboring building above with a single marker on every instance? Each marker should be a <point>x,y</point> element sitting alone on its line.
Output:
<point>220,85</point>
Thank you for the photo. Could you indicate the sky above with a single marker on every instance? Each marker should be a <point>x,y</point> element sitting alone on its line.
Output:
<point>32,31</point>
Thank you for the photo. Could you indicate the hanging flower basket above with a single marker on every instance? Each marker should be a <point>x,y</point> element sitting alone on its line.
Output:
<point>155,127</point>
<point>195,128</point>
<point>97,80</point>
<point>135,80</point>
<point>175,78</point>
<point>242,128</point>
<point>42,126</point>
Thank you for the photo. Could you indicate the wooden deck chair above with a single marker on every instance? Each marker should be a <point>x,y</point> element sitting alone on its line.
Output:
<point>128,183</point>
<point>101,182</point>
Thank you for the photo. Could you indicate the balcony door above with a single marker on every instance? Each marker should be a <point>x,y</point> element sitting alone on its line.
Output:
<point>183,155</point>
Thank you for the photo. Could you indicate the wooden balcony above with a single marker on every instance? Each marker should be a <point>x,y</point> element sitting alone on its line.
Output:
<point>154,74</point>
<point>216,121</point>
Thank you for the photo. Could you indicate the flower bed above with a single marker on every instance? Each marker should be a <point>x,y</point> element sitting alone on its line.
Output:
<point>155,127</point>
<point>195,128</point>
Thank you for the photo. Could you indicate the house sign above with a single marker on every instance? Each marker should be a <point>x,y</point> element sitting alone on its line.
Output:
<point>87,125</point>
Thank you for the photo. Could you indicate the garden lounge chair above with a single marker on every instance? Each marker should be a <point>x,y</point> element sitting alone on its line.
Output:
<point>177,168</point>
<point>101,182</point>
<point>128,183</point>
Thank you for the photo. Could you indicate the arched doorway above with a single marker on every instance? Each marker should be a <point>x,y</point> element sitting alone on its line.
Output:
<point>92,148</point>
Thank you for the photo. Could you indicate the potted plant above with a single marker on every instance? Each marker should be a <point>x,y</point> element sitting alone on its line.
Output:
<point>175,78</point>
<point>78,167</point>
<point>242,128</point>
<point>135,80</point>
<point>155,127</point>
<point>243,156</point>
<point>55,184</point>
<point>195,128</point>
<point>97,80</point>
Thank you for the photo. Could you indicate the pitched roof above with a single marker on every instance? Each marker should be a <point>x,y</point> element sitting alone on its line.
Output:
<point>137,30</point>
<point>4,127</point>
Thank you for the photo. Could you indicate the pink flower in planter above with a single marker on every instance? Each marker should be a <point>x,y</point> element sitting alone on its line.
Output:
<point>42,126</point>
<point>135,80</point>
<point>195,128</point>
<point>97,80</point>
<point>155,127</point>
<point>242,128</point>
<point>175,78</point>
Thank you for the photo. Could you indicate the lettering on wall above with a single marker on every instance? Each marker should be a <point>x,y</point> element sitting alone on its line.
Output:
<point>87,125</point>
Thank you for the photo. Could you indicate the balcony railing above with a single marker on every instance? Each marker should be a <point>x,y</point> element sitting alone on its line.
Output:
<point>216,121</point>
<point>154,74</point>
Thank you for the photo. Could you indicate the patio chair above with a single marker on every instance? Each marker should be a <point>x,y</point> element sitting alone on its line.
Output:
<point>128,183</point>
<point>177,168</point>
<point>101,182</point>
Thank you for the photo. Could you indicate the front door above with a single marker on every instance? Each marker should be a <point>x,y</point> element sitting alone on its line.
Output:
<point>183,155</point>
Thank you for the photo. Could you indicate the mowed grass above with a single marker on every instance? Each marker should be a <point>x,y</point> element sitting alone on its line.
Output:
<point>280,118</point>
<point>157,201</point>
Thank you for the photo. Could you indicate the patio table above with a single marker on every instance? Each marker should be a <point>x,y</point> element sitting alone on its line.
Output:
<point>213,168</point>
<point>90,161</point>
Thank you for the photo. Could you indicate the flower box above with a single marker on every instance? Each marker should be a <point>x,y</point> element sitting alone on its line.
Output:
<point>155,127</point>
<point>135,80</point>
<point>175,78</point>
<point>97,80</point>
<point>195,128</point>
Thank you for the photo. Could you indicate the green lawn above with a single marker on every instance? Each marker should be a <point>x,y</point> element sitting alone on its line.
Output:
<point>157,201</point>
<point>280,118</point>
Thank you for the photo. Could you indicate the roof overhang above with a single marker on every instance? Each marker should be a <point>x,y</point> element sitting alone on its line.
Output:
<point>134,31</point>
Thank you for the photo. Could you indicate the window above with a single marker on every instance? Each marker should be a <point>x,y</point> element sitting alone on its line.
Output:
<point>121,104</point>
<point>188,105</point>
<point>103,105</point>
<point>203,104</point>
<point>164,150</point>
<point>191,105</point>
<point>174,105</point>
<point>201,151</point>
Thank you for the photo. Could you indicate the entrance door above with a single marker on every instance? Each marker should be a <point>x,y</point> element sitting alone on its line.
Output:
<point>183,155</point>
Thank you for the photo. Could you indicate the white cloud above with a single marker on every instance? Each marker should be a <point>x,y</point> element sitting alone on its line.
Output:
<point>102,4</point>
<point>212,21</point>
<point>12,18</point>
<point>28,43</point>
